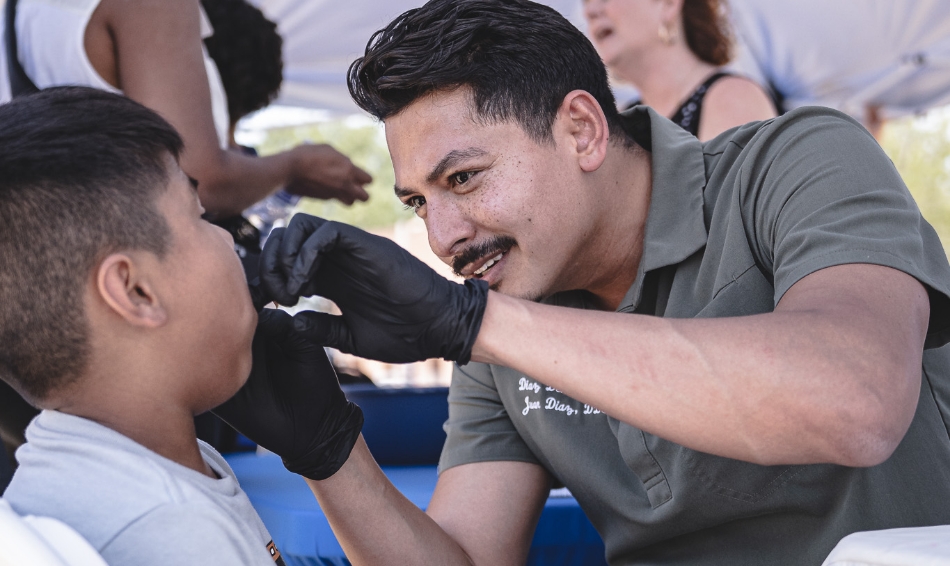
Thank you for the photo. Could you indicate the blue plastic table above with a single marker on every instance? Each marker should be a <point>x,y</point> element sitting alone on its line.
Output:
<point>564,535</point>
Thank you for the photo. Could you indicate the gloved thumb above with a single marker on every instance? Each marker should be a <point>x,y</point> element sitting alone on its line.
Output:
<point>310,255</point>
<point>324,329</point>
<point>272,278</point>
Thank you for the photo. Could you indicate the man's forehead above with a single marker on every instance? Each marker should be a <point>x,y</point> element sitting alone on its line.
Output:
<point>439,131</point>
<point>434,115</point>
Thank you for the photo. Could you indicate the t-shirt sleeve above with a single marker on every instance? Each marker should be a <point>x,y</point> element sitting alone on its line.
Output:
<point>479,428</point>
<point>819,191</point>
<point>183,534</point>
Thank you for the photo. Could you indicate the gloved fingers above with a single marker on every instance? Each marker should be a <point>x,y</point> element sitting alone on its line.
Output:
<point>236,411</point>
<point>272,276</point>
<point>324,329</point>
<point>310,254</point>
<point>274,325</point>
<point>259,295</point>
<point>295,237</point>
<point>256,409</point>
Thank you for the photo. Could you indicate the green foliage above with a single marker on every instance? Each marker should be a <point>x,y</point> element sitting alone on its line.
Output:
<point>920,149</point>
<point>362,140</point>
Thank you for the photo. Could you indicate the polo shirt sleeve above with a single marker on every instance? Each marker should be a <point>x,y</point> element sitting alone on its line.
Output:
<point>479,428</point>
<point>819,191</point>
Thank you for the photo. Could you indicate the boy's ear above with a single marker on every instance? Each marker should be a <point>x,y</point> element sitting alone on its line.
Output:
<point>125,288</point>
<point>586,125</point>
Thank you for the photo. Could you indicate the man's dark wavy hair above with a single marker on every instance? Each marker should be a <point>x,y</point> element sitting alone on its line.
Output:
<point>247,50</point>
<point>520,59</point>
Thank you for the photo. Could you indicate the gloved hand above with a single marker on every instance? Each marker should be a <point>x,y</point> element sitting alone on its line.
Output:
<point>395,308</point>
<point>292,403</point>
<point>258,294</point>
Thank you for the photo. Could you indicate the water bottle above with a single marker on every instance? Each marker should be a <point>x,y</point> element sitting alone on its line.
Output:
<point>272,212</point>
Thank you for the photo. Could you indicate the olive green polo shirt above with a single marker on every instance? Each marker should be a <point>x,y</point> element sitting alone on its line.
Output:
<point>733,224</point>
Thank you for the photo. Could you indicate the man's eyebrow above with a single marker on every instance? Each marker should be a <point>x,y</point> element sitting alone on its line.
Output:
<point>194,183</point>
<point>450,160</point>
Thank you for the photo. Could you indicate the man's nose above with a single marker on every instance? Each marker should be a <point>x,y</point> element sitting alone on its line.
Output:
<point>448,227</point>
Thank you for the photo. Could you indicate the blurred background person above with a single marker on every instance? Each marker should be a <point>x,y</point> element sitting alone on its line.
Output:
<point>674,52</point>
<point>152,51</point>
<point>247,53</point>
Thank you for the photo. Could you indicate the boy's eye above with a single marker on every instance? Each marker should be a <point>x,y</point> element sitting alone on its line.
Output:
<point>415,203</point>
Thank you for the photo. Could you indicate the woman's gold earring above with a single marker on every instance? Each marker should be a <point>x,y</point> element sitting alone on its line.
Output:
<point>666,34</point>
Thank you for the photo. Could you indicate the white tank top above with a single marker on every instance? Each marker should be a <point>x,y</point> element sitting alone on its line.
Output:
<point>51,44</point>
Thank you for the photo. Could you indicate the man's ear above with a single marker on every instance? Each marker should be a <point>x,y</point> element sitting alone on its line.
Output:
<point>584,122</point>
<point>123,286</point>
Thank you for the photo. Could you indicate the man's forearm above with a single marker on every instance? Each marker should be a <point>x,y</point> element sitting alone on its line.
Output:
<point>786,387</point>
<point>376,524</point>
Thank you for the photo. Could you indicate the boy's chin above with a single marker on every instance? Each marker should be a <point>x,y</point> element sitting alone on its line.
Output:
<point>227,387</point>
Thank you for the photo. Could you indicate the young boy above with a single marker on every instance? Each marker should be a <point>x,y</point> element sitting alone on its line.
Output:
<point>122,315</point>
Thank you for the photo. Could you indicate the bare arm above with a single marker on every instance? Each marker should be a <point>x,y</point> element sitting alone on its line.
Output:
<point>157,61</point>
<point>482,513</point>
<point>731,102</point>
<point>832,375</point>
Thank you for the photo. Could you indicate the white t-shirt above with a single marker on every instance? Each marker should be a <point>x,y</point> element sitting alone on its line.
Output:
<point>51,44</point>
<point>132,505</point>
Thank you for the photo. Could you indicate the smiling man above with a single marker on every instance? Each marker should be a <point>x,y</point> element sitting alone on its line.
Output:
<point>752,365</point>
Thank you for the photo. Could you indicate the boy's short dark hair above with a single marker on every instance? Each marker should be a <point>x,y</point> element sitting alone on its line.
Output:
<point>80,174</point>
<point>519,58</point>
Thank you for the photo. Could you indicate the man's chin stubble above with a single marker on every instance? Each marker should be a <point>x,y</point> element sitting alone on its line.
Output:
<point>533,297</point>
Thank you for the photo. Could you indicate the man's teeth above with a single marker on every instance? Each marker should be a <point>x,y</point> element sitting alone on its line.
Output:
<point>488,264</point>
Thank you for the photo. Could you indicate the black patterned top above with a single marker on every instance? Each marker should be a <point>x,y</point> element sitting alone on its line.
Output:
<point>687,115</point>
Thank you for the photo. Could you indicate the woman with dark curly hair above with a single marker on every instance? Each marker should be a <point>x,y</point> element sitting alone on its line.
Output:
<point>247,50</point>
<point>673,52</point>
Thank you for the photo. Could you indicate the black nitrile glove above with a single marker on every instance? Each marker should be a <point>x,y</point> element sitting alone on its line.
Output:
<point>258,294</point>
<point>292,403</point>
<point>395,308</point>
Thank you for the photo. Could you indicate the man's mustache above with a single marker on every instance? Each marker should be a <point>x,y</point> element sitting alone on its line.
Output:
<point>488,247</point>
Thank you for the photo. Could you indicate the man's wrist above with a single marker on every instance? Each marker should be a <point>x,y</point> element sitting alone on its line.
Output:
<point>503,314</point>
<point>359,464</point>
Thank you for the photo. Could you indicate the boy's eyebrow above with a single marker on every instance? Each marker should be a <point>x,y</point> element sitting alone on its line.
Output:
<point>194,183</point>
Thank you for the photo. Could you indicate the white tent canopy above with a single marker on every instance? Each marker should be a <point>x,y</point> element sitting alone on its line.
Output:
<point>844,54</point>
<point>849,54</point>
<point>322,38</point>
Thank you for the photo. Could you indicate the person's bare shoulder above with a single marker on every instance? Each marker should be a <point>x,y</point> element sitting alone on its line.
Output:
<point>733,101</point>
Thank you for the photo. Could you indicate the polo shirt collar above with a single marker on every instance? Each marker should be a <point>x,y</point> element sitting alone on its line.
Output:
<point>676,227</point>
